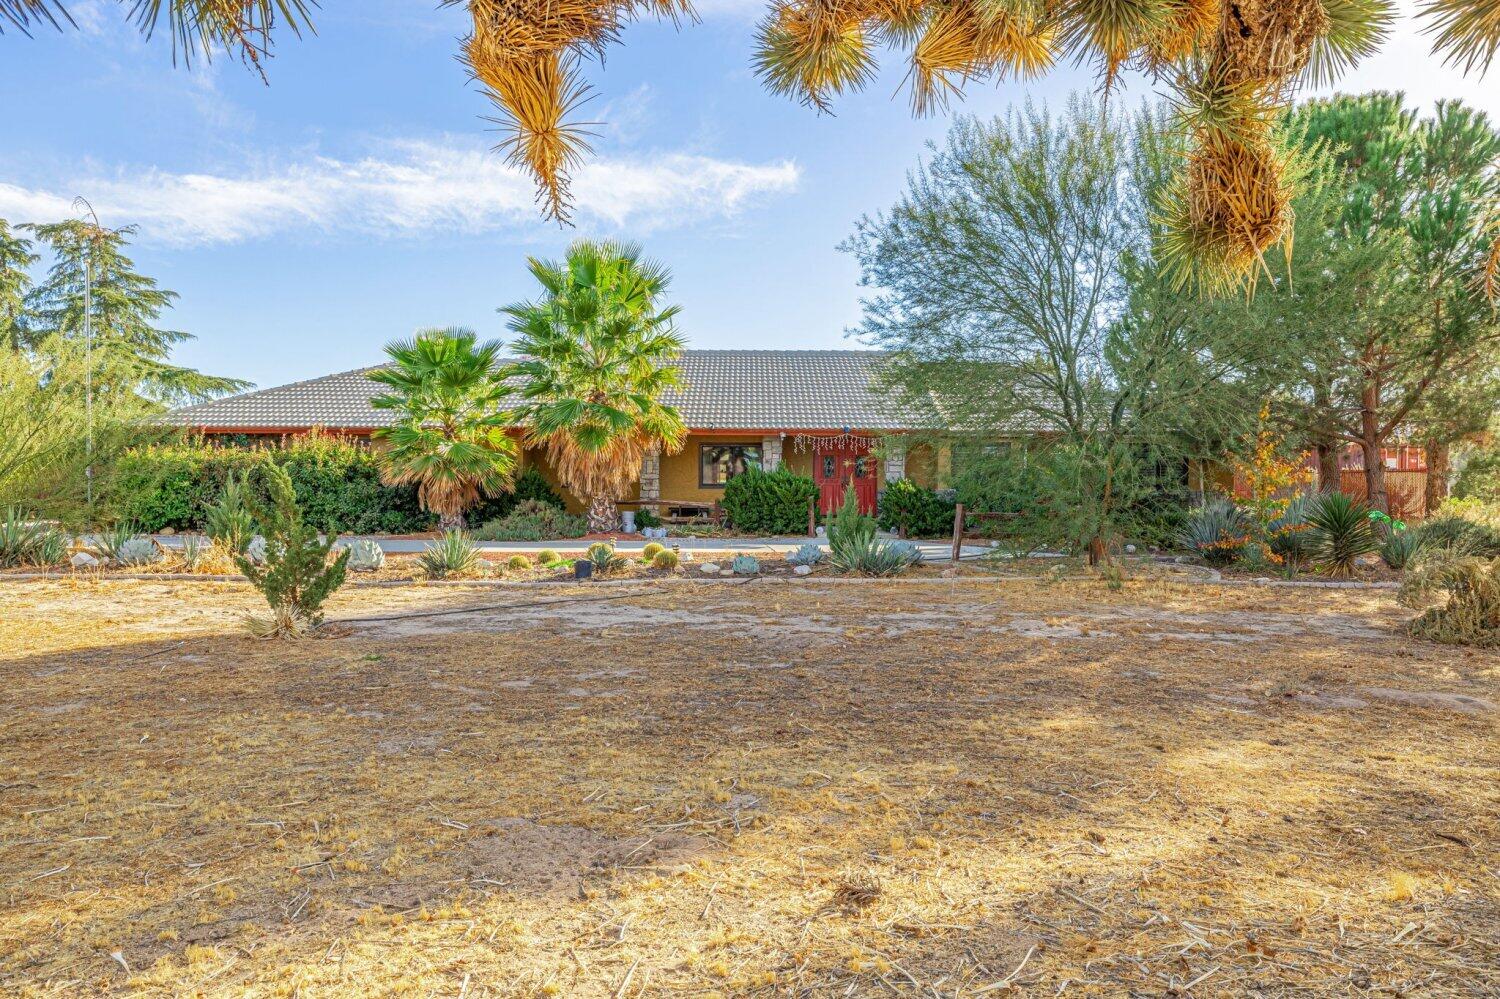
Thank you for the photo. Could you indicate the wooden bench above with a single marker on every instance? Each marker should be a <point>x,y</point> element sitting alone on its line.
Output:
<point>683,511</point>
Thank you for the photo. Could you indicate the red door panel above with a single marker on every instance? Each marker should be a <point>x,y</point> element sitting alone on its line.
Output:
<point>835,469</point>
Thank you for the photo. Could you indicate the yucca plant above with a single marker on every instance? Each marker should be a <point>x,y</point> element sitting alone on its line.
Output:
<point>606,560</point>
<point>453,554</point>
<point>228,520</point>
<point>19,536</point>
<point>855,547</point>
<point>1399,547</point>
<point>1342,534</point>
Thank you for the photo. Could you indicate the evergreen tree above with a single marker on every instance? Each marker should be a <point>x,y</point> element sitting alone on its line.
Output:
<point>15,258</point>
<point>297,577</point>
<point>130,349</point>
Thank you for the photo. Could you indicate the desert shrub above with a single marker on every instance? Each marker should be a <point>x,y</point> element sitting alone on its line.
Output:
<point>518,563</point>
<point>745,565</point>
<point>1468,587</point>
<point>1341,533</point>
<point>530,486</point>
<point>773,502</point>
<point>296,577</point>
<point>26,541</point>
<point>645,518</point>
<point>914,510</point>
<point>1289,535</point>
<point>453,554</point>
<point>1459,535</point>
<point>808,554</point>
<point>649,551</point>
<point>604,557</point>
<point>854,546</point>
<point>337,483</point>
<point>205,555</point>
<point>547,556</point>
<point>533,520</point>
<point>1486,514</point>
<point>1216,532</point>
<point>665,559</point>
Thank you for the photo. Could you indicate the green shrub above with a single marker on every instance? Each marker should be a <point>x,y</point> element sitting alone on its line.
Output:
<point>665,559</point>
<point>518,563</point>
<point>915,510</point>
<point>453,554</point>
<point>1216,532</point>
<point>337,484</point>
<point>228,520</point>
<point>649,552</point>
<point>773,502</point>
<point>297,577</point>
<point>1480,477</point>
<point>529,485</point>
<point>645,518</point>
<point>547,557</point>
<point>998,484</point>
<point>853,545</point>
<point>533,520</point>
<point>1459,535</point>
<point>1342,533</point>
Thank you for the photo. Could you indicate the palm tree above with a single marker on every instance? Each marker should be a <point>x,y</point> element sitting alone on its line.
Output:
<point>596,355</point>
<point>450,438</point>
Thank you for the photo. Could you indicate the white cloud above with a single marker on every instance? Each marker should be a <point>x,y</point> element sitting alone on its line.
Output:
<point>414,188</point>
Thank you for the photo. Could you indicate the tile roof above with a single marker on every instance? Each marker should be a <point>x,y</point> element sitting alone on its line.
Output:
<point>724,390</point>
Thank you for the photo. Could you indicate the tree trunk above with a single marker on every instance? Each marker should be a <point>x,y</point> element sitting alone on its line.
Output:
<point>1437,477</point>
<point>1369,427</point>
<point>1098,552</point>
<point>604,517</point>
<point>1330,478</point>
<point>450,522</point>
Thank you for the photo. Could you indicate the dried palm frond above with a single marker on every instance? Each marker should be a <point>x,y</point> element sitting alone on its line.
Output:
<point>1356,29</point>
<point>24,13</point>
<point>238,26</point>
<point>966,41</point>
<point>1468,31</point>
<point>1190,23</point>
<point>814,49</point>
<point>1268,41</point>
<point>283,622</point>
<point>1112,29</point>
<point>1231,204</point>
<point>1489,275</point>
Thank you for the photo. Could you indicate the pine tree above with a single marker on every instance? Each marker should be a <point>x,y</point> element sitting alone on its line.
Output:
<point>297,577</point>
<point>130,349</point>
<point>15,282</point>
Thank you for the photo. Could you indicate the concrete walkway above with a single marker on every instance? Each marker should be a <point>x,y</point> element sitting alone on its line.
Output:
<point>931,550</point>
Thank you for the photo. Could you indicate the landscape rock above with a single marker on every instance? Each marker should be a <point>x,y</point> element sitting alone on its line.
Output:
<point>802,570</point>
<point>167,532</point>
<point>83,560</point>
<point>709,569</point>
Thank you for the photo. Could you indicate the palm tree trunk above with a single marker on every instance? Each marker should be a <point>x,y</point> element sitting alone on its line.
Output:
<point>451,522</point>
<point>604,517</point>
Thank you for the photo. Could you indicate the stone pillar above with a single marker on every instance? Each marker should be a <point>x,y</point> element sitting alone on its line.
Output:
<point>895,460</point>
<point>651,478</point>
<point>770,452</point>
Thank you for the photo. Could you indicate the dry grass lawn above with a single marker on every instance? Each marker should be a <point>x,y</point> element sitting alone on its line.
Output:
<point>955,789</point>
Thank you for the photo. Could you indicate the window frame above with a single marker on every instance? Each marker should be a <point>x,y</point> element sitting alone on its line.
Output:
<point>703,448</point>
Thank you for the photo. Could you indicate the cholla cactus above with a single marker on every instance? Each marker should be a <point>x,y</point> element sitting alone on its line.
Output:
<point>366,556</point>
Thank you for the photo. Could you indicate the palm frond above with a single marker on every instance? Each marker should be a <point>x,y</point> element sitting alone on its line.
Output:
<point>240,27</point>
<point>814,50</point>
<point>1356,30</point>
<point>24,13</point>
<point>1468,31</point>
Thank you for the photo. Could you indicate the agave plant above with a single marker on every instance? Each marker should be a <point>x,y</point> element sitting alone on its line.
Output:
<point>606,560</point>
<point>1217,531</point>
<point>1342,534</point>
<point>1288,535</point>
<point>118,541</point>
<point>855,547</point>
<point>453,554</point>
<point>19,535</point>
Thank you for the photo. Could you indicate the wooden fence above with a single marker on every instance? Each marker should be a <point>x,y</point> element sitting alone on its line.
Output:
<point>1407,491</point>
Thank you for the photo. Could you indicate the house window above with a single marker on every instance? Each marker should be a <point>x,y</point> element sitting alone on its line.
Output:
<point>718,463</point>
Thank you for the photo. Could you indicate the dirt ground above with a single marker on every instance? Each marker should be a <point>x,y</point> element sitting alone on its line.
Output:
<point>953,788</point>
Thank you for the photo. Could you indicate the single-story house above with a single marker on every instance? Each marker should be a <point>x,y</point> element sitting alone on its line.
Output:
<point>818,412</point>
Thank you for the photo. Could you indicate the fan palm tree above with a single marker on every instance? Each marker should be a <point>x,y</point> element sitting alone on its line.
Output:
<point>1229,65</point>
<point>596,352</point>
<point>450,438</point>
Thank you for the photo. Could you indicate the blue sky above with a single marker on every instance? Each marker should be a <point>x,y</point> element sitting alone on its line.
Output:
<point>353,200</point>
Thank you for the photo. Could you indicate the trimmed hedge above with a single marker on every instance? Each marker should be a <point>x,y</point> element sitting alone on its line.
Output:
<point>337,483</point>
<point>922,512</point>
<point>773,502</point>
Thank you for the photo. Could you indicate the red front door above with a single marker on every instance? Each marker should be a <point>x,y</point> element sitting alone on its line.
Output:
<point>834,469</point>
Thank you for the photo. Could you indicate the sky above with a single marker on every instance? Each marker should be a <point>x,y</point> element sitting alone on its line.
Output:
<point>353,199</point>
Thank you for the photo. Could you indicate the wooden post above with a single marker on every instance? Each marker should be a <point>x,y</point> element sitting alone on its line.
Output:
<point>958,531</point>
<point>812,516</point>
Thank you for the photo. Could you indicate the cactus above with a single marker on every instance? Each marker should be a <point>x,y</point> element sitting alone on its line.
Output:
<point>745,565</point>
<point>665,559</point>
<point>602,554</point>
<point>808,554</point>
<point>519,563</point>
<point>366,556</point>
<point>547,556</point>
<point>648,553</point>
